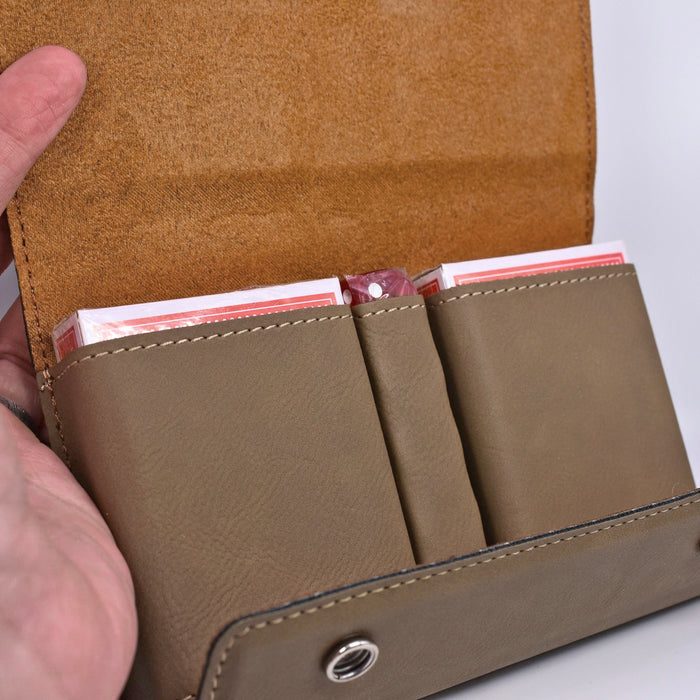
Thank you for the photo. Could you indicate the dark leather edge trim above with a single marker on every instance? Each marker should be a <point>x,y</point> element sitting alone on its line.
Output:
<point>240,628</point>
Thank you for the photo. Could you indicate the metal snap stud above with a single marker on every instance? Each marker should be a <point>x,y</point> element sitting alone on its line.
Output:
<point>351,659</point>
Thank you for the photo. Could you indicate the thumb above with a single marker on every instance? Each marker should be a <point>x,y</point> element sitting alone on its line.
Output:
<point>37,95</point>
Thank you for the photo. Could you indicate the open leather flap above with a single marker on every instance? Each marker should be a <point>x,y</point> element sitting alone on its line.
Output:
<point>229,144</point>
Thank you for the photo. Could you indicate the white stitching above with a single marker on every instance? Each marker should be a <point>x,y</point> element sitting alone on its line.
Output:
<point>226,335</point>
<point>536,285</point>
<point>309,611</point>
<point>180,341</point>
<point>393,308</point>
<point>335,318</point>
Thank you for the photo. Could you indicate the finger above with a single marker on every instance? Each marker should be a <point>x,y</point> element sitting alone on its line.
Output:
<point>37,95</point>
<point>5,247</point>
<point>17,381</point>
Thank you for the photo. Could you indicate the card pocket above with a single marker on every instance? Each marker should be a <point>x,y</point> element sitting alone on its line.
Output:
<point>560,398</point>
<point>421,435</point>
<point>239,465</point>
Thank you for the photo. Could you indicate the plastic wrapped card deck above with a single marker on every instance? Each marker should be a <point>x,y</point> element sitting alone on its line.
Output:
<point>93,325</point>
<point>454,274</point>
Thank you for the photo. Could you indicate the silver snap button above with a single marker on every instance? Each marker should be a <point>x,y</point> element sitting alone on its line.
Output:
<point>351,659</point>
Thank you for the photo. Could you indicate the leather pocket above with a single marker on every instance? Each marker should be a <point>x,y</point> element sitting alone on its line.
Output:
<point>560,398</point>
<point>239,465</point>
<point>424,445</point>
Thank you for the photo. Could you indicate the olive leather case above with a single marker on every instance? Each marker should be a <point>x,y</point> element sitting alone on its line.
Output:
<point>225,144</point>
<point>425,448</point>
<point>262,435</point>
<point>560,398</point>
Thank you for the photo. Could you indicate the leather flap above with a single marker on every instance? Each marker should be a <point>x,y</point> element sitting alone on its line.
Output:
<point>442,625</point>
<point>226,144</point>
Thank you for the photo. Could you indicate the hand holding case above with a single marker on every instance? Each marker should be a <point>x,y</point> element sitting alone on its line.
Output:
<point>270,142</point>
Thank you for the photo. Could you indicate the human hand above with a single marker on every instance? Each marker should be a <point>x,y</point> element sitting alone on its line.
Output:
<point>67,615</point>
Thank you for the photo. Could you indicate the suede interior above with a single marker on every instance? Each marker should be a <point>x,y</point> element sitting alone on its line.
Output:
<point>227,144</point>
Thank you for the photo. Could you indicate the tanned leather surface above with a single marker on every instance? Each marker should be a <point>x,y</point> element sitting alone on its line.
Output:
<point>239,465</point>
<point>426,452</point>
<point>442,625</point>
<point>228,143</point>
<point>560,398</point>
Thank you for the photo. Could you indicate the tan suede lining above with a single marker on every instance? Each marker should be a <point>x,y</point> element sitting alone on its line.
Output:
<point>226,144</point>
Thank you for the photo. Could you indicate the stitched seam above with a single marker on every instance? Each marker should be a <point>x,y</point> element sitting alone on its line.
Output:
<point>48,384</point>
<point>309,611</point>
<point>30,279</point>
<point>393,308</point>
<point>536,285</point>
<point>181,341</point>
<point>589,121</point>
<point>42,346</point>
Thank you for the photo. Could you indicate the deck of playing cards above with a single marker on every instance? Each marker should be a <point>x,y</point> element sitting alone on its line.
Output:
<point>93,325</point>
<point>454,274</point>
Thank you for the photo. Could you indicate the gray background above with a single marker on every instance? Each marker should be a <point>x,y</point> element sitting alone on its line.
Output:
<point>647,71</point>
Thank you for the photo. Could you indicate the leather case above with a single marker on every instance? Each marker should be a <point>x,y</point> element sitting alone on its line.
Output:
<point>560,397</point>
<point>263,437</point>
<point>232,143</point>
<point>424,446</point>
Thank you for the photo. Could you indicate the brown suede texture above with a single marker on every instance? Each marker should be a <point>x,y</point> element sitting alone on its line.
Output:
<point>226,144</point>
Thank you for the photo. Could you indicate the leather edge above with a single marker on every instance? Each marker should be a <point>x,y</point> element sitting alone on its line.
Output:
<point>237,630</point>
<point>591,127</point>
